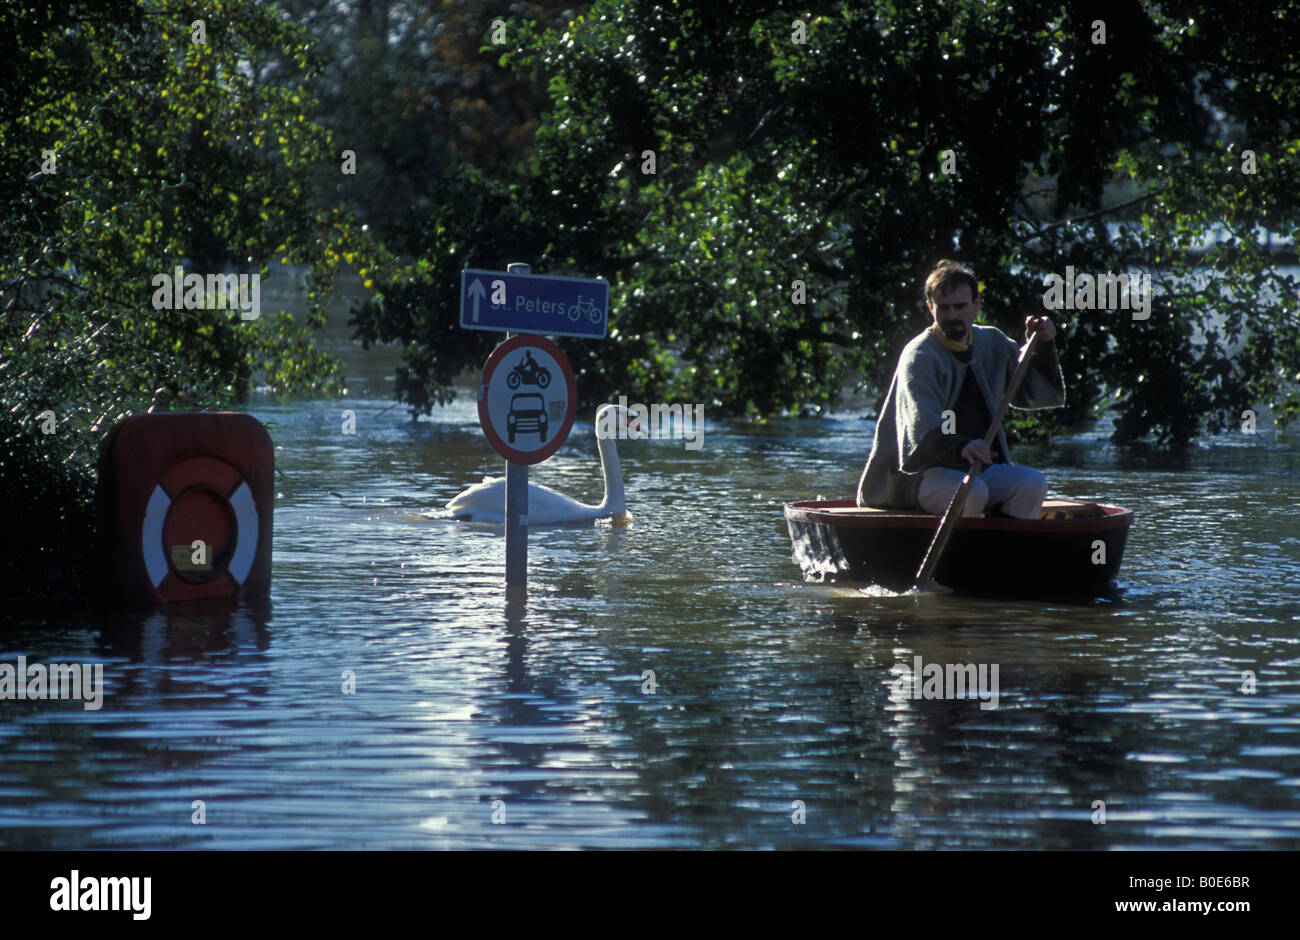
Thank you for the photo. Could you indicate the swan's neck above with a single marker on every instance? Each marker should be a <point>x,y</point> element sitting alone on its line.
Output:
<point>614,500</point>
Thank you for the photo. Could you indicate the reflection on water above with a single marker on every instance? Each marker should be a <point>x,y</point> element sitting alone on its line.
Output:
<point>766,690</point>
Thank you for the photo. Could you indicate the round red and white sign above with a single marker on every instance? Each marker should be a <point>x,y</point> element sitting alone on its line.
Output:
<point>527,399</point>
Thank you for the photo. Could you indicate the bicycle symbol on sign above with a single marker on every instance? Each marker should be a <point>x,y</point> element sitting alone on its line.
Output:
<point>584,306</point>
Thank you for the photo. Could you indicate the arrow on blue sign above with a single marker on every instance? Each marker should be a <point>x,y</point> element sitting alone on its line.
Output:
<point>533,303</point>
<point>476,293</point>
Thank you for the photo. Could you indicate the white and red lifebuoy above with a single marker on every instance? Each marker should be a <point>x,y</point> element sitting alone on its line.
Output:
<point>185,507</point>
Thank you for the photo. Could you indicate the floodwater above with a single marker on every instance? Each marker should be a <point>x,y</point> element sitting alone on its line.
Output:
<point>775,720</point>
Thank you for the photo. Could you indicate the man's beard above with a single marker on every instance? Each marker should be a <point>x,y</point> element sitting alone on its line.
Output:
<point>953,329</point>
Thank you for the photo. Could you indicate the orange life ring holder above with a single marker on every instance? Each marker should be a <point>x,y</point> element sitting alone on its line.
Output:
<point>213,491</point>
<point>185,507</point>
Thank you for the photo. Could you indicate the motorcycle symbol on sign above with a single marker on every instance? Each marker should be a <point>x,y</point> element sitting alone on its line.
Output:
<point>529,372</point>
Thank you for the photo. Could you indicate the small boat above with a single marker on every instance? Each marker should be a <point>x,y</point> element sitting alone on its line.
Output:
<point>1073,549</point>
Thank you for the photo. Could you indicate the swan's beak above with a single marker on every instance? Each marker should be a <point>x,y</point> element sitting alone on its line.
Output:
<point>623,518</point>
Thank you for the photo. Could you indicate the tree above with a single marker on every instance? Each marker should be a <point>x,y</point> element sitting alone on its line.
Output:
<point>136,140</point>
<point>437,129</point>
<point>1004,133</point>
<point>404,87</point>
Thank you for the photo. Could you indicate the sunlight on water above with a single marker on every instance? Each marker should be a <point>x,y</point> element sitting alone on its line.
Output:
<point>674,682</point>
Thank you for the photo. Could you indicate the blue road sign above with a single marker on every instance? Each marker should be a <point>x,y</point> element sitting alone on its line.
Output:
<point>533,303</point>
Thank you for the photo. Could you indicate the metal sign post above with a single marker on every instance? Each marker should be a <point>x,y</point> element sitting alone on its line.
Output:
<point>517,302</point>
<point>517,499</point>
<point>516,522</point>
<point>527,400</point>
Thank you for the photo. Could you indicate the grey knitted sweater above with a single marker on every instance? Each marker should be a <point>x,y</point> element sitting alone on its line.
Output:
<point>909,429</point>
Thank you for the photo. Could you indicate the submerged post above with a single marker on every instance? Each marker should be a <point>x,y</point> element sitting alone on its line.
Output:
<point>516,499</point>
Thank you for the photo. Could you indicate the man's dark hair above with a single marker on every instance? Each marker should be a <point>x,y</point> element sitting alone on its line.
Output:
<point>946,277</point>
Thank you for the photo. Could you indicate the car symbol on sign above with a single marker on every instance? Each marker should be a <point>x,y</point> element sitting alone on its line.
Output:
<point>527,414</point>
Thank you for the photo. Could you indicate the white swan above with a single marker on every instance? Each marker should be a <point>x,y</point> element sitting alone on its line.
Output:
<point>486,501</point>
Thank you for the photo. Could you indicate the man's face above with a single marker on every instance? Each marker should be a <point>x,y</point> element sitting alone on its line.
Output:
<point>955,311</point>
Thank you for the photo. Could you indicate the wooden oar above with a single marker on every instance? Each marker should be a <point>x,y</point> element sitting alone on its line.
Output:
<point>951,517</point>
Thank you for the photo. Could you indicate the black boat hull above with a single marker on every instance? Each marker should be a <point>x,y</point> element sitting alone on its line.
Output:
<point>1078,553</point>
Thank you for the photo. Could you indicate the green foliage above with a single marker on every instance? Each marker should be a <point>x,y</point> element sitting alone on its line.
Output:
<point>404,87</point>
<point>777,161</point>
<point>167,152</point>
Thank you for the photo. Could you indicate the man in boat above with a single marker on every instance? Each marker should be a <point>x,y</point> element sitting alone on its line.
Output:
<point>940,404</point>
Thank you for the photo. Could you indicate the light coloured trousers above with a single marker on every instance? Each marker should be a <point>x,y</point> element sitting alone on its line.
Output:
<point>1015,490</point>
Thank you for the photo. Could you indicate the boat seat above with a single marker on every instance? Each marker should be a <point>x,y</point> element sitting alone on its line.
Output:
<point>1069,509</point>
<point>1052,509</point>
<point>860,510</point>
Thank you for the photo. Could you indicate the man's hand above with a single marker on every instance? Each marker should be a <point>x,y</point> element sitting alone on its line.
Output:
<point>1043,326</point>
<point>978,450</point>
